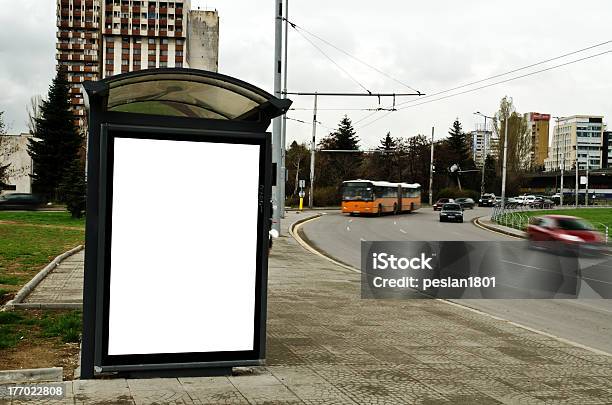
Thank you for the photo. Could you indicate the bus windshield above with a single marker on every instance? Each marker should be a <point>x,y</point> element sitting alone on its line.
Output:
<point>357,191</point>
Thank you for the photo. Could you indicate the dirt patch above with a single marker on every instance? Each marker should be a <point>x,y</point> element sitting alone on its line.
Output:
<point>78,228</point>
<point>42,354</point>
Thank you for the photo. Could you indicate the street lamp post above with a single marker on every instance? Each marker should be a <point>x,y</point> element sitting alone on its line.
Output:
<point>484,152</point>
<point>431,168</point>
<point>503,190</point>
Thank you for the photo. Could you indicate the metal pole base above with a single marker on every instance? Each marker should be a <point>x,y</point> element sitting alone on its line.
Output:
<point>170,373</point>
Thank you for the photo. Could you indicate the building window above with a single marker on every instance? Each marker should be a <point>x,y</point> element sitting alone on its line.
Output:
<point>151,41</point>
<point>178,64</point>
<point>179,53</point>
<point>151,52</point>
<point>164,41</point>
<point>179,42</point>
<point>151,64</point>
<point>163,53</point>
<point>125,62</point>
<point>163,64</point>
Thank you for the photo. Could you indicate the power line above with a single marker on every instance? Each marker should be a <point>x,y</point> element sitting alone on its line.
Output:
<point>298,28</point>
<point>511,71</point>
<point>489,85</point>
<point>508,80</point>
<point>310,123</point>
<point>334,62</point>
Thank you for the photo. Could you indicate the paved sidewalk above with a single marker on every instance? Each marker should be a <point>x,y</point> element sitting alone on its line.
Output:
<point>328,346</point>
<point>63,286</point>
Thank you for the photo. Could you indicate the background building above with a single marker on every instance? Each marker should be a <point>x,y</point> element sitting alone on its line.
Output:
<point>14,152</point>
<point>203,40</point>
<point>483,143</point>
<point>576,137</point>
<point>102,38</point>
<point>537,137</point>
<point>606,150</point>
<point>78,23</point>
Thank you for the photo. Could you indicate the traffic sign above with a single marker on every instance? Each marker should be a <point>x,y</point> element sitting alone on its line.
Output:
<point>302,183</point>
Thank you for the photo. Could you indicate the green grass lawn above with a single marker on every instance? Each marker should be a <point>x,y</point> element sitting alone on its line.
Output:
<point>598,217</point>
<point>60,218</point>
<point>30,240</point>
<point>34,325</point>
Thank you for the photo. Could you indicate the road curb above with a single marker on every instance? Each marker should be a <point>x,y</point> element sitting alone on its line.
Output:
<point>52,374</point>
<point>32,284</point>
<point>293,230</point>
<point>500,229</point>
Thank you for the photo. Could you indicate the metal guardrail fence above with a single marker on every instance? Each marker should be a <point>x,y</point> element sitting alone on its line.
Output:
<point>517,216</point>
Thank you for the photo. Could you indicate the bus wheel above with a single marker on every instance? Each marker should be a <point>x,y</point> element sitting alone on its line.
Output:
<point>380,210</point>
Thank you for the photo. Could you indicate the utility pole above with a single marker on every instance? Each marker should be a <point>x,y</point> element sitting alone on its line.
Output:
<point>313,144</point>
<point>284,126</point>
<point>577,183</point>
<point>431,168</point>
<point>586,191</point>
<point>562,165</point>
<point>503,190</point>
<point>277,200</point>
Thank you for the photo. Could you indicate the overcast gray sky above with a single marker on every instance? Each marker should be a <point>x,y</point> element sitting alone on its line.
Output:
<point>431,46</point>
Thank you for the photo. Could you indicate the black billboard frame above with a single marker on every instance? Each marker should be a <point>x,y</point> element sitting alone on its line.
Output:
<point>117,363</point>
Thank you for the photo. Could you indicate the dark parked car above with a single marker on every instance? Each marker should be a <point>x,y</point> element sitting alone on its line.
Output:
<point>19,201</point>
<point>451,212</point>
<point>486,200</point>
<point>564,234</point>
<point>542,202</point>
<point>465,203</point>
<point>438,205</point>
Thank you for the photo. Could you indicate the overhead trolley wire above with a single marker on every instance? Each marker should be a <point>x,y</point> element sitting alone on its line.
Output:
<point>298,28</point>
<point>509,72</point>
<point>334,62</point>
<point>492,84</point>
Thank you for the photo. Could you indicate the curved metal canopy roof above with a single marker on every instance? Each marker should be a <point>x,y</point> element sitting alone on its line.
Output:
<point>191,93</point>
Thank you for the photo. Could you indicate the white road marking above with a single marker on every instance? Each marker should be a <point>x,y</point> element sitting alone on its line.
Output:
<point>348,228</point>
<point>363,240</point>
<point>402,231</point>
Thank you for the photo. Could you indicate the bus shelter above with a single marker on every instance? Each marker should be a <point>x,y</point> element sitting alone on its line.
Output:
<point>179,181</point>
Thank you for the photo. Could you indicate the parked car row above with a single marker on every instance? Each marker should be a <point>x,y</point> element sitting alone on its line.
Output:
<point>463,202</point>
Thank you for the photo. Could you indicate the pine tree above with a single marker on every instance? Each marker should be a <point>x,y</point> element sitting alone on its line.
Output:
<point>57,141</point>
<point>387,157</point>
<point>73,188</point>
<point>333,168</point>
<point>457,143</point>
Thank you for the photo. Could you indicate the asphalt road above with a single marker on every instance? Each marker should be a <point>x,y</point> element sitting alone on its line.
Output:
<point>585,321</point>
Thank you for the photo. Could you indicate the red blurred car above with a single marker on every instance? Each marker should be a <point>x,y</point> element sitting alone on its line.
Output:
<point>438,205</point>
<point>564,234</point>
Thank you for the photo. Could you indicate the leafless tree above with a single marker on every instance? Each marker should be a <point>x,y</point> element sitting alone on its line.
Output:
<point>33,109</point>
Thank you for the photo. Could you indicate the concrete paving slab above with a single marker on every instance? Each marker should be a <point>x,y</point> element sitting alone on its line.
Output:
<point>328,346</point>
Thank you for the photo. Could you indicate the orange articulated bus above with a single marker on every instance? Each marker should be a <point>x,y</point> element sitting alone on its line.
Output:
<point>379,197</point>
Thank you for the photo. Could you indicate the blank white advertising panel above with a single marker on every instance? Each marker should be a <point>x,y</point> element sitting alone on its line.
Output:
<point>183,247</point>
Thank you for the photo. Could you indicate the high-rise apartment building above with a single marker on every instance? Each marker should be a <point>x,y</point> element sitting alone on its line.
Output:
<point>102,38</point>
<point>483,143</point>
<point>537,137</point>
<point>78,35</point>
<point>143,35</point>
<point>578,137</point>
